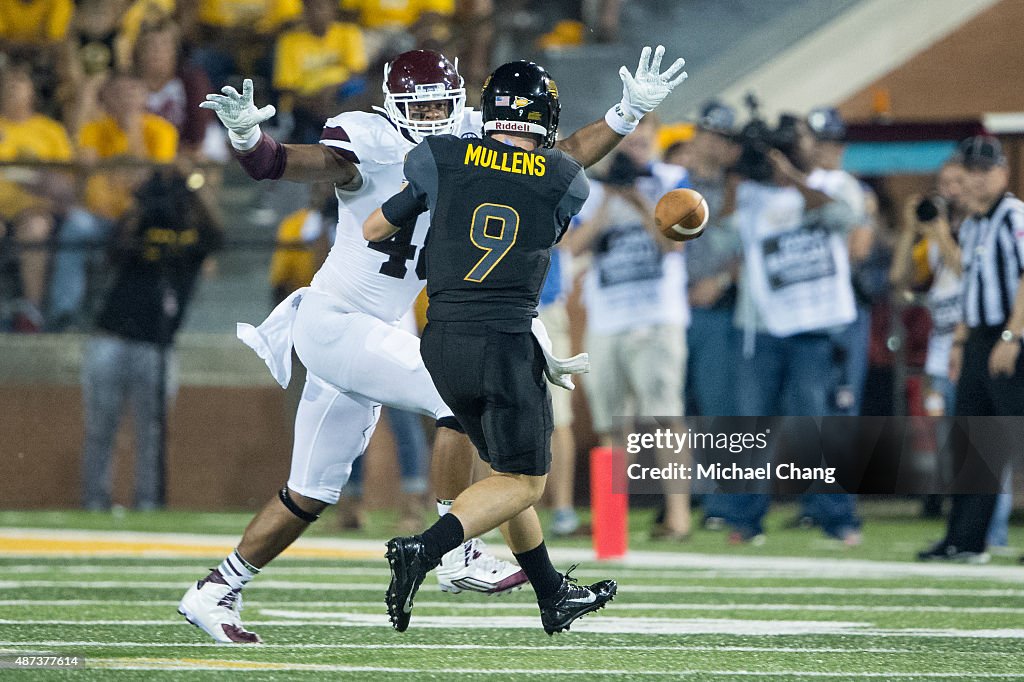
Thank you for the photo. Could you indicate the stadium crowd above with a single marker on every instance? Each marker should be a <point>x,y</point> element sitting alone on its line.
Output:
<point>95,92</point>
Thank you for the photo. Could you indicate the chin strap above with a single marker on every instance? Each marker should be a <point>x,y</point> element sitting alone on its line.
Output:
<point>289,503</point>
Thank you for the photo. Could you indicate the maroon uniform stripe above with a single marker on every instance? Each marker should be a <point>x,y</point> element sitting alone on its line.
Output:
<point>337,134</point>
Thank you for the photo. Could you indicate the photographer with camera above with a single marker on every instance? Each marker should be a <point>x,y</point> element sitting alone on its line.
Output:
<point>160,247</point>
<point>851,341</point>
<point>634,294</point>
<point>795,289</point>
<point>927,256</point>
<point>712,266</point>
<point>713,342</point>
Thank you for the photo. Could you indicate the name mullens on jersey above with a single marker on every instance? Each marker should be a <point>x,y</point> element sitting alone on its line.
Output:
<point>523,163</point>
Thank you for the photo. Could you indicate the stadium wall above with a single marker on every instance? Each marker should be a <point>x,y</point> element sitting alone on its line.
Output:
<point>228,445</point>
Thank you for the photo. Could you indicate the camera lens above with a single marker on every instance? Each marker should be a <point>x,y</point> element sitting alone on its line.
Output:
<point>927,210</point>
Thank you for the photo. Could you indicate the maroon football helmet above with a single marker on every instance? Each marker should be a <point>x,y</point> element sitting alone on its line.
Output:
<point>423,76</point>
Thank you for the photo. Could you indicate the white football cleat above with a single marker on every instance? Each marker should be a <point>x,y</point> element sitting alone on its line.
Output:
<point>470,567</point>
<point>213,606</point>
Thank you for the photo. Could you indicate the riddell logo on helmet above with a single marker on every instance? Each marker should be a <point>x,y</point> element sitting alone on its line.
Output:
<point>514,126</point>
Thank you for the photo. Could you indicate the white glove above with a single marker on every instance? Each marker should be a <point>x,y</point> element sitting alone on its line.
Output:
<point>558,371</point>
<point>643,91</point>
<point>239,115</point>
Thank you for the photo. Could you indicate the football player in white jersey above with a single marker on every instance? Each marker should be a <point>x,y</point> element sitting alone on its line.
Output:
<point>343,327</point>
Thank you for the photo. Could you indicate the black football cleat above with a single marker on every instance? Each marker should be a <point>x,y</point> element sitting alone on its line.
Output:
<point>409,566</point>
<point>574,600</point>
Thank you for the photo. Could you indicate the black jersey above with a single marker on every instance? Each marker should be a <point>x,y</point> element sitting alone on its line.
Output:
<point>496,211</point>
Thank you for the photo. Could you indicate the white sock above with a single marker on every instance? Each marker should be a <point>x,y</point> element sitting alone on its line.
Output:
<point>236,570</point>
<point>444,506</point>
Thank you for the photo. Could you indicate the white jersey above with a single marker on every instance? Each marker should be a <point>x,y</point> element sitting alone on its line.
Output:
<point>796,268</point>
<point>631,283</point>
<point>378,279</point>
<point>841,186</point>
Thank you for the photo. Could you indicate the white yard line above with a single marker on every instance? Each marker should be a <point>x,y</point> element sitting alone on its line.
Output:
<point>223,665</point>
<point>825,608</point>
<point>128,583</point>
<point>814,567</point>
<point>62,645</point>
<point>185,570</point>
<point>287,610</point>
<point>621,572</point>
<point>608,625</point>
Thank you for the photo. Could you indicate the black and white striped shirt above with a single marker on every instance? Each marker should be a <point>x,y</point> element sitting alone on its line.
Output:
<point>992,252</point>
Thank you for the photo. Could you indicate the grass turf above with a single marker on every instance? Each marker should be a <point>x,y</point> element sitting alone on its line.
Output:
<point>716,621</point>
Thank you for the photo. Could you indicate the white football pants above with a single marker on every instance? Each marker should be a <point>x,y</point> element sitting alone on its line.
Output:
<point>355,362</point>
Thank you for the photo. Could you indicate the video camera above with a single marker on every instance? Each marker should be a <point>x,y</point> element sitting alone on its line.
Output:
<point>930,208</point>
<point>623,171</point>
<point>757,137</point>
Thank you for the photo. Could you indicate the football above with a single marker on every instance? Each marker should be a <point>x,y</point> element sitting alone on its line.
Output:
<point>681,214</point>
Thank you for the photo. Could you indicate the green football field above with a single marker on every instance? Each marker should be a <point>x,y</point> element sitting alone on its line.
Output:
<point>104,588</point>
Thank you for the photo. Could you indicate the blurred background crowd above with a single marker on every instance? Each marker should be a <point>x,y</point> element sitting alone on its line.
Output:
<point>117,192</point>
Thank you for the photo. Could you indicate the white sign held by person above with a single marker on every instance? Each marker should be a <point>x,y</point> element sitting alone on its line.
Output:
<point>799,269</point>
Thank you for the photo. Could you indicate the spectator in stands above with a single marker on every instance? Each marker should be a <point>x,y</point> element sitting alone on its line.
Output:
<point>31,199</point>
<point>317,66</point>
<point>233,36</point>
<point>143,14</point>
<point>474,24</point>
<point>125,132</point>
<point>713,261</point>
<point>634,296</point>
<point>30,25</point>
<point>786,312</point>
<point>32,33</point>
<point>985,359</point>
<point>303,239</point>
<point>174,89</point>
<point>393,26</point>
<point>578,21</point>
<point>161,244</point>
<point>87,59</point>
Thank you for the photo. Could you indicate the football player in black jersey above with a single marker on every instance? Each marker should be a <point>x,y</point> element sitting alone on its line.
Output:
<point>497,206</point>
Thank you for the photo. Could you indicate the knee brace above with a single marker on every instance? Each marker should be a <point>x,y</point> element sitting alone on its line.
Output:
<point>450,423</point>
<point>289,503</point>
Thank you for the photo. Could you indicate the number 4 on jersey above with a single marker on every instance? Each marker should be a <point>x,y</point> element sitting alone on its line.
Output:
<point>400,249</point>
<point>494,229</point>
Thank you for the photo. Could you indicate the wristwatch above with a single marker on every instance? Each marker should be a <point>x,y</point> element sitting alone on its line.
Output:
<point>1009,337</point>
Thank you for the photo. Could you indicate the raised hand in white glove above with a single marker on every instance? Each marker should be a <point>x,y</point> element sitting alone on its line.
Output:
<point>557,370</point>
<point>643,91</point>
<point>239,115</point>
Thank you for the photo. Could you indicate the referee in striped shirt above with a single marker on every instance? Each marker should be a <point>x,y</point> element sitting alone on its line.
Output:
<point>986,360</point>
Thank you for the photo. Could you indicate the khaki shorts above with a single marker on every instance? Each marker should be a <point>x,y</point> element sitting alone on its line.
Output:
<point>556,320</point>
<point>640,372</point>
